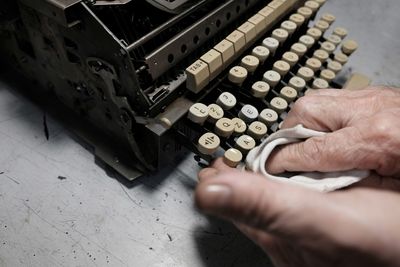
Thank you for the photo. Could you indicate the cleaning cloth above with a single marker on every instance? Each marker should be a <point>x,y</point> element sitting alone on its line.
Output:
<point>324,182</point>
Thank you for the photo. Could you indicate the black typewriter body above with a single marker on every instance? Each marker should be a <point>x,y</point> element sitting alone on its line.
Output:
<point>122,67</point>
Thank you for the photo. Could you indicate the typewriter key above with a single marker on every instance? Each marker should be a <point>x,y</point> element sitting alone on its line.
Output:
<point>245,143</point>
<point>268,116</point>
<point>208,143</point>
<point>226,101</point>
<point>232,157</point>
<point>257,130</point>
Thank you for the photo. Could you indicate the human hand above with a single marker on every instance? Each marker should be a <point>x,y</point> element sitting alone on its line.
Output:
<point>364,133</point>
<point>299,227</point>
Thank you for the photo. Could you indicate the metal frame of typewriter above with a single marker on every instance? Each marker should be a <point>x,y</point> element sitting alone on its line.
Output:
<point>127,86</point>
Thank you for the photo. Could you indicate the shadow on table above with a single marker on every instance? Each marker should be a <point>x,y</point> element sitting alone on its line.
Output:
<point>221,244</point>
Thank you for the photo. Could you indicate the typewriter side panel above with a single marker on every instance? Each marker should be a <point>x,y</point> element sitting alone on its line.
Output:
<point>86,67</point>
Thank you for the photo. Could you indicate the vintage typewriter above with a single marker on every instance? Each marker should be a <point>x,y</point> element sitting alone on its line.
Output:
<point>154,77</point>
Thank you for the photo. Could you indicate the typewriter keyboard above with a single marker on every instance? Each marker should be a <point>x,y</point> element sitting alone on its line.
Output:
<point>249,97</point>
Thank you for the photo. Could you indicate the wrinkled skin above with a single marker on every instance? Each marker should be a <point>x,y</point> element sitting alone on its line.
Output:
<point>358,226</point>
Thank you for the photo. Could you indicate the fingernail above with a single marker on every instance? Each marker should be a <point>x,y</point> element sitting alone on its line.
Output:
<point>217,196</point>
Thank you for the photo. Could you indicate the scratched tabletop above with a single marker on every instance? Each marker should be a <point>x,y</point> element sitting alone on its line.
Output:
<point>59,208</point>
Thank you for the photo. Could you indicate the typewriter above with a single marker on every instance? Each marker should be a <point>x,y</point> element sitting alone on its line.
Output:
<point>157,77</point>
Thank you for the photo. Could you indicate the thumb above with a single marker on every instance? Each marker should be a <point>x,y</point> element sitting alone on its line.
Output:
<point>280,209</point>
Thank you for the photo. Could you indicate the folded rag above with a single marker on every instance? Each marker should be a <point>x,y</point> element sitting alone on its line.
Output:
<point>324,182</point>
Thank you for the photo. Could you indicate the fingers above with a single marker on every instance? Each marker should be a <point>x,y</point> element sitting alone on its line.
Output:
<point>331,109</point>
<point>321,112</point>
<point>337,151</point>
<point>216,167</point>
<point>252,200</point>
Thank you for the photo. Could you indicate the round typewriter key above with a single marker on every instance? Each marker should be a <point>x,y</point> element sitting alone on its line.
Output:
<point>306,73</point>
<point>240,126</point>
<point>341,32</point>
<point>349,47</point>
<point>250,63</point>
<point>281,67</point>
<point>307,40</point>
<point>288,93</point>
<point>232,157</point>
<point>328,47</point>
<point>226,101</point>
<point>320,2</point>
<point>327,75</point>
<point>260,89</point>
<point>341,58</point>
<point>328,18</point>
<point>198,113</point>
<point>245,143</point>
<point>257,130</point>
<point>260,52</point>
<point>335,66</point>
<point>297,83</point>
<point>313,64</point>
<point>215,113</point>
<point>322,25</point>
<point>208,143</point>
<point>299,49</point>
<point>248,113</point>
<point>224,127</point>
<point>320,84</point>
<point>321,55</point>
<point>271,43</point>
<point>314,33</point>
<point>291,58</point>
<point>305,12</point>
<point>314,6</point>
<point>237,75</point>
<point>298,19</point>
<point>280,34</point>
<point>279,104</point>
<point>268,116</point>
<point>272,77</point>
<point>289,26</point>
<point>334,39</point>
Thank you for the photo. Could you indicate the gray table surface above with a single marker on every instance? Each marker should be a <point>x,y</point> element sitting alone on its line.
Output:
<point>92,219</point>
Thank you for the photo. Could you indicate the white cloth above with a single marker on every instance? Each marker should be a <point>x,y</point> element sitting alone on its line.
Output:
<point>324,182</point>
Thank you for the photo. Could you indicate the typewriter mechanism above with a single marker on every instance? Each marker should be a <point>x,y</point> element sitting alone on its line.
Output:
<point>157,77</point>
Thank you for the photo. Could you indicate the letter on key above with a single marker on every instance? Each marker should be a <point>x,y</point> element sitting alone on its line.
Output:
<point>260,89</point>
<point>245,143</point>
<point>215,113</point>
<point>272,77</point>
<point>288,93</point>
<point>268,116</point>
<point>237,75</point>
<point>198,76</point>
<point>271,43</point>
<point>279,104</point>
<point>257,130</point>
<point>198,113</point>
<point>260,52</point>
<point>227,101</point>
<point>240,126</point>
<point>248,113</point>
<point>224,127</point>
<point>250,63</point>
<point>208,143</point>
